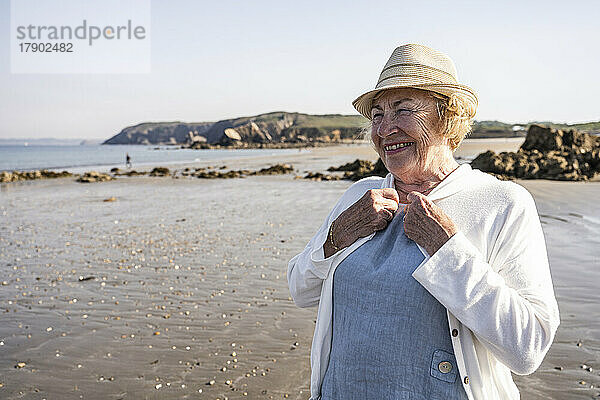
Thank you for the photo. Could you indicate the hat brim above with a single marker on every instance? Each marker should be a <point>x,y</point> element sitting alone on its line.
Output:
<point>363,102</point>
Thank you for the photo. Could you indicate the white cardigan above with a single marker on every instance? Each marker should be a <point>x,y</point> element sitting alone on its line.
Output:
<point>492,276</point>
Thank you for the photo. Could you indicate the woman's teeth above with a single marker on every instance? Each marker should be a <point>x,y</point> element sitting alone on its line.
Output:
<point>397,146</point>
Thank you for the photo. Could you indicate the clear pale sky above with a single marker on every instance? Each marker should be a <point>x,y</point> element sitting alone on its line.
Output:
<point>528,60</point>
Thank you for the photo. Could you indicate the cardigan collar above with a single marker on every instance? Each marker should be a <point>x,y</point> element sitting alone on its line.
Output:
<point>449,186</point>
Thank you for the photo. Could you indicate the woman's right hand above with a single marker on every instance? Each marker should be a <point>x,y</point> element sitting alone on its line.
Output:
<point>372,212</point>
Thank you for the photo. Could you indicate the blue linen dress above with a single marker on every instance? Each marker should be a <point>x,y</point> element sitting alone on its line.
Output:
<point>390,335</point>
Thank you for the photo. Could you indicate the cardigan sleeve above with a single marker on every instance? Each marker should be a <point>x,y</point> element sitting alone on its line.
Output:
<point>509,305</point>
<point>307,270</point>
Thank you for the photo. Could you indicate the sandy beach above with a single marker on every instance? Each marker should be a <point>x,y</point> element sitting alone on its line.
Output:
<point>178,289</point>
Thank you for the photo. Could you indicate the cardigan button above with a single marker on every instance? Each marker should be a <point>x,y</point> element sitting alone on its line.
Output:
<point>466,380</point>
<point>455,332</point>
<point>445,367</point>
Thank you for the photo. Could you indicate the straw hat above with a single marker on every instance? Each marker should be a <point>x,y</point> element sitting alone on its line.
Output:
<point>420,67</point>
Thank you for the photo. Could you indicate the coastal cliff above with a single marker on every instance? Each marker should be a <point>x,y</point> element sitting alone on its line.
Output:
<point>284,128</point>
<point>158,133</point>
<point>275,127</point>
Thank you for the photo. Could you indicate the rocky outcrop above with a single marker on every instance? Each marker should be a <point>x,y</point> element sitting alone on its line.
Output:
<point>94,176</point>
<point>283,129</point>
<point>220,175</point>
<point>546,154</point>
<point>16,176</point>
<point>277,169</point>
<point>362,169</point>
<point>160,171</point>
<point>264,129</point>
<point>230,137</point>
<point>353,171</point>
<point>119,172</point>
<point>318,176</point>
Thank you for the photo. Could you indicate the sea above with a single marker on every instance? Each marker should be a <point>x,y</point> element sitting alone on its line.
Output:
<point>78,158</point>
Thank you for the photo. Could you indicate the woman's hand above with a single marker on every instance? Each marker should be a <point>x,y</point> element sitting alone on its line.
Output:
<point>426,223</point>
<point>372,212</point>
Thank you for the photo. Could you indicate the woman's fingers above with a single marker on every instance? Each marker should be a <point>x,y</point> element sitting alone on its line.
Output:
<point>426,223</point>
<point>390,193</point>
<point>372,212</point>
<point>387,215</point>
<point>418,200</point>
<point>389,205</point>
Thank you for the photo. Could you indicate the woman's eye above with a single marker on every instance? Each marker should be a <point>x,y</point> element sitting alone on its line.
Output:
<point>401,110</point>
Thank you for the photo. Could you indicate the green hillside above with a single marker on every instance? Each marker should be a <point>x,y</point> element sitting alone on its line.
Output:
<point>284,127</point>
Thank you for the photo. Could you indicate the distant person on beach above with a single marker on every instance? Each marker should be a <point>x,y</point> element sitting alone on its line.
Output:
<point>127,161</point>
<point>433,282</point>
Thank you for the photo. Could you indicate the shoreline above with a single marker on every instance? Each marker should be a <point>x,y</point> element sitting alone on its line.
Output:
<point>361,150</point>
<point>356,144</point>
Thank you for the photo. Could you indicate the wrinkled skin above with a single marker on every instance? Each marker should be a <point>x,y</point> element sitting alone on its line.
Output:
<point>372,212</point>
<point>427,224</point>
<point>403,116</point>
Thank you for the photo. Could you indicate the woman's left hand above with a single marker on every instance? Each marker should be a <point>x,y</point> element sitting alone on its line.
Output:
<point>426,223</point>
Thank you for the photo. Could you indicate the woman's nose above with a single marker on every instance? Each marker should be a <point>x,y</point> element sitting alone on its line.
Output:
<point>386,127</point>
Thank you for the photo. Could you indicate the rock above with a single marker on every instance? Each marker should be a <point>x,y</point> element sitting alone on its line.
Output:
<point>15,176</point>
<point>199,145</point>
<point>354,171</point>
<point>546,154</point>
<point>230,137</point>
<point>362,170</point>
<point>356,165</point>
<point>276,169</point>
<point>547,139</point>
<point>160,171</point>
<point>542,139</point>
<point>220,175</point>
<point>317,176</point>
<point>272,170</point>
<point>134,173</point>
<point>94,176</point>
<point>6,176</point>
<point>488,162</point>
<point>193,138</point>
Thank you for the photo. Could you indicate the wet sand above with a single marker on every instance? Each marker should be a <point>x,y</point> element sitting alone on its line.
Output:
<point>178,288</point>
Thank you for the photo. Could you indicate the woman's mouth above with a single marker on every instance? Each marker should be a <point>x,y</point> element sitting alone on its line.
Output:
<point>397,147</point>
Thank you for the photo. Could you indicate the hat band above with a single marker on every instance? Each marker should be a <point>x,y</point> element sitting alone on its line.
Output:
<point>406,80</point>
<point>436,71</point>
<point>423,75</point>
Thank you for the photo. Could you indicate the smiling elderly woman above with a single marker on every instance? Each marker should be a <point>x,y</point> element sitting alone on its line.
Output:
<point>432,283</point>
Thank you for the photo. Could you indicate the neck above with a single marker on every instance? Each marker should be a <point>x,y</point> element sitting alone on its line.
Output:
<point>427,177</point>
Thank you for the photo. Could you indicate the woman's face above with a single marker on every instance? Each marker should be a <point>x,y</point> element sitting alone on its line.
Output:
<point>407,131</point>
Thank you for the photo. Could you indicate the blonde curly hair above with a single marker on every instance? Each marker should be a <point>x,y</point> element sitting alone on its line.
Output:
<point>456,113</point>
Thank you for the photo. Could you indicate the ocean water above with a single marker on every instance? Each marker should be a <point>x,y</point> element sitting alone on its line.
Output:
<point>103,157</point>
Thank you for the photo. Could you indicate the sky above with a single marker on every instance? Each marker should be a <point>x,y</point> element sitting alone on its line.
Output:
<point>527,61</point>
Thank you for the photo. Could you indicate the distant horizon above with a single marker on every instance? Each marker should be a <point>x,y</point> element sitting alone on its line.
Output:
<point>80,138</point>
